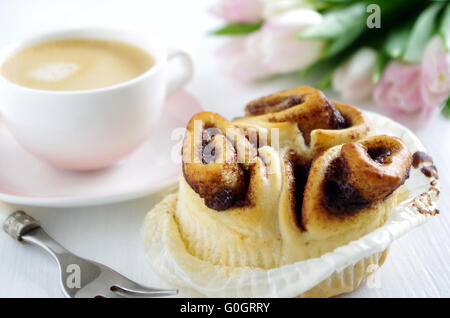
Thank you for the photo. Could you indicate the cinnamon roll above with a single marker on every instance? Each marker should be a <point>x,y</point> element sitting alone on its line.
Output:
<point>243,203</point>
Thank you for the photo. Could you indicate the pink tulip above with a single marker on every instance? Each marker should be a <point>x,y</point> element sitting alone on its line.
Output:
<point>239,11</point>
<point>273,49</point>
<point>353,79</point>
<point>436,72</point>
<point>413,93</point>
<point>400,94</point>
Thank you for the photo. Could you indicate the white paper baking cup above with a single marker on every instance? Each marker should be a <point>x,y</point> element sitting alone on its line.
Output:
<point>169,258</point>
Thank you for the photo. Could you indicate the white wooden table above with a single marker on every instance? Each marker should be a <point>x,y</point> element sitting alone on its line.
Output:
<point>417,266</point>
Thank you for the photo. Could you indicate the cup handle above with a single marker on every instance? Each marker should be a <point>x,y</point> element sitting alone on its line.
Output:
<point>175,82</point>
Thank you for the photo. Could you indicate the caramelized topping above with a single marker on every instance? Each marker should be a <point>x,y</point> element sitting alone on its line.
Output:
<point>340,197</point>
<point>379,154</point>
<point>420,157</point>
<point>208,152</point>
<point>300,171</point>
<point>430,171</point>
<point>337,121</point>
<point>273,105</point>
<point>221,200</point>
<point>224,198</point>
<point>306,107</point>
<point>324,117</point>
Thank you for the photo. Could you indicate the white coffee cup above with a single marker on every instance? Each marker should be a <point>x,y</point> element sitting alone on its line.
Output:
<point>90,129</point>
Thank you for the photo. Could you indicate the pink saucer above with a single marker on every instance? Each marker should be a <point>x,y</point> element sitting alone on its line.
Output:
<point>28,181</point>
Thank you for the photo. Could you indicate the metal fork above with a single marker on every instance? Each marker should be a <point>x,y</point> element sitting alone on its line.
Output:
<point>80,278</point>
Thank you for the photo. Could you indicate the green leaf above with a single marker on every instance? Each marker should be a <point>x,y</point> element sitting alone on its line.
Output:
<point>325,82</point>
<point>422,31</point>
<point>336,23</point>
<point>313,68</point>
<point>444,29</point>
<point>323,66</point>
<point>396,41</point>
<point>341,26</point>
<point>446,108</point>
<point>337,45</point>
<point>238,28</point>
<point>382,61</point>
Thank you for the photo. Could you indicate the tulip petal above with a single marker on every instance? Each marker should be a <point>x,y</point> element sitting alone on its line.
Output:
<point>353,79</point>
<point>273,49</point>
<point>239,11</point>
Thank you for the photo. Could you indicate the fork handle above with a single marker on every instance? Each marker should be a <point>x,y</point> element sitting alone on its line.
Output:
<point>18,224</point>
<point>23,227</point>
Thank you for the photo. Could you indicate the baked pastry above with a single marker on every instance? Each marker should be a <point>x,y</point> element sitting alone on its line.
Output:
<point>303,119</point>
<point>347,192</point>
<point>252,204</point>
<point>295,212</point>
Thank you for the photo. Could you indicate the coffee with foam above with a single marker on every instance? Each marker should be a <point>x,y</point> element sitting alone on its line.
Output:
<point>76,64</point>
